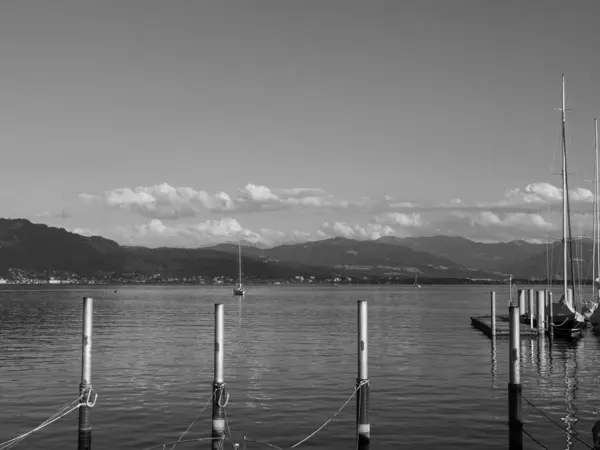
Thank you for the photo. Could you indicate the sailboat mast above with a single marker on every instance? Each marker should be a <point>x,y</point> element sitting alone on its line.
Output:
<point>564,180</point>
<point>595,243</point>
<point>240,262</point>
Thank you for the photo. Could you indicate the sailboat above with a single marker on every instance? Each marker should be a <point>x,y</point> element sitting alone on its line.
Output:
<point>239,289</point>
<point>566,319</point>
<point>591,311</point>
<point>416,283</point>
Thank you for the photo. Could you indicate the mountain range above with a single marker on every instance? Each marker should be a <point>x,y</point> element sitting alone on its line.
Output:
<point>40,248</point>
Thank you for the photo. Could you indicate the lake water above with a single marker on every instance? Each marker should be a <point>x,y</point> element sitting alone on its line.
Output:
<point>290,363</point>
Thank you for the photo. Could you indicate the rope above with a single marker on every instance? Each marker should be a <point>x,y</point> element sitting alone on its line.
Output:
<point>362,383</point>
<point>356,389</point>
<point>534,439</point>
<point>262,443</point>
<point>574,436</point>
<point>62,412</point>
<point>164,446</point>
<point>191,425</point>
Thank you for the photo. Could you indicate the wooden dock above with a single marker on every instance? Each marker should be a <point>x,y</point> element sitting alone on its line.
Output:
<point>484,323</point>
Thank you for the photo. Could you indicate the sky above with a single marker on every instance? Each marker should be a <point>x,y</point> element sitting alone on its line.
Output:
<point>187,123</point>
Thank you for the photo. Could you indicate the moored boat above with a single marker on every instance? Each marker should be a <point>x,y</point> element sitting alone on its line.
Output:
<point>239,289</point>
<point>566,319</point>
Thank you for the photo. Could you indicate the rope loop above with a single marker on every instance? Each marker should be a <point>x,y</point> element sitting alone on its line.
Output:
<point>223,393</point>
<point>88,400</point>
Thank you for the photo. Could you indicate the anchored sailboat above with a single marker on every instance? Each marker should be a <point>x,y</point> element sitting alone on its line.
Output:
<point>416,283</point>
<point>239,289</point>
<point>566,319</point>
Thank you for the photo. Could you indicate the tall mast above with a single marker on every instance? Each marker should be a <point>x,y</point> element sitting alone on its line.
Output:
<point>240,261</point>
<point>596,272</point>
<point>564,180</point>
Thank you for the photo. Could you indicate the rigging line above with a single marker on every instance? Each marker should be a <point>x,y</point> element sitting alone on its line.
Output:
<point>568,204</point>
<point>534,439</point>
<point>556,423</point>
<point>550,245</point>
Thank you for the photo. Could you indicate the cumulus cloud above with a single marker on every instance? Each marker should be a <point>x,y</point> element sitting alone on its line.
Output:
<point>396,218</point>
<point>341,229</point>
<point>489,226</point>
<point>278,237</point>
<point>531,213</point>
<point>163,201</point>
<point>158,233</point>
<point>533,198</point>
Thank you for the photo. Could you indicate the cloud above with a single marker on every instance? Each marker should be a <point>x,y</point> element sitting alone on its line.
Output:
<point>84,231</point>
<point>488,226</point>
<point>62,214</point>
<point>341,229</point>
<point>533,198</point>
<point>163,201</point>
<point>396,218</point>
<point>531,213</point>
<point>274,237</point>
<point>156,233</point>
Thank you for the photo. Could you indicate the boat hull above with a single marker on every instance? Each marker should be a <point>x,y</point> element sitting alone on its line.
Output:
<point>595,317</point>
<point>238,291</point>
<point>566,321</point>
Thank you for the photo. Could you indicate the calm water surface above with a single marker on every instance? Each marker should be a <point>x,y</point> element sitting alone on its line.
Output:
<point>290,363</point>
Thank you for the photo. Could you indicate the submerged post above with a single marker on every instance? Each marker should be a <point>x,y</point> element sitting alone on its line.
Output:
<point>85,388</point>
<point>541,313</point>
<point>363,428</point>
<point>515,426</point>
<point>219,399</point>
<point>493,312</point>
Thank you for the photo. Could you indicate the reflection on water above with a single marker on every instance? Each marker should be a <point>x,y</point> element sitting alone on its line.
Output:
<point>290,362</point>
<point>555,387</point>
<point>571,382</point>
<point>493,360</point>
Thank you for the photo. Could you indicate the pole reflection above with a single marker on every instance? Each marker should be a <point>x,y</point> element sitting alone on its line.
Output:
<point>494,361</point>
<point>570,351</point>
<point>542,362</point>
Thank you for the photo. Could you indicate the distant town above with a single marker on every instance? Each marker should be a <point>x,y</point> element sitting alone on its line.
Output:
<point>22,277</point>
<point>19,276</point>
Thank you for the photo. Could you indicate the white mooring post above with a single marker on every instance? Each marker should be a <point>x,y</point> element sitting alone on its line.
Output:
<point>363,427</point>
<point>219,397</point>
<point>515,424</point>
<point>85,388</point>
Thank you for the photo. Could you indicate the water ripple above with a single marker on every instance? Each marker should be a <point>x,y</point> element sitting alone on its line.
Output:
<point>290,363</point>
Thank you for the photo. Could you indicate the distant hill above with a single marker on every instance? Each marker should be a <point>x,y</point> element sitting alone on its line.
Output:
<point>39,248</point>
<point>541,264</point>
<point>244,242</point>
<point>484,256</point>
<point>354,257</point>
